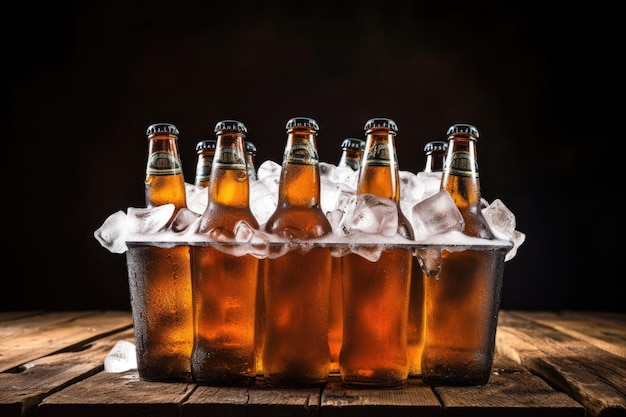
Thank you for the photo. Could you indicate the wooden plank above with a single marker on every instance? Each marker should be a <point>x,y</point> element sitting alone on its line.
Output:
<point>218,401</point>
<point>265,400</point>
<point>23,390</point>
<point>29,338</point>
<point>414,399</point>
<point>605,332</point>
<point>31,324</point>
<point>593,377</point>
<point>117,395</point>
<point>511,391</point>
<point>259,399</point>
<point>12,315</point>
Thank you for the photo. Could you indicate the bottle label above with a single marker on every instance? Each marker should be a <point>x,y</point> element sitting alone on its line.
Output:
<point>229,158</point>
<point>462,164</point>
<point>378,155</point>
<point>301,153</point>
<point>202,178</point>
<point>163,163</point>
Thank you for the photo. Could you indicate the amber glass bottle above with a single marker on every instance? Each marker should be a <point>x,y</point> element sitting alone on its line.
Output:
<point>350,158</point>
<point>165,182</point>
<point>376,294</point>
<point>206,151</point>
<point>435,152</point>
<point>259,329</point>
<point>462,303</point>
<point>160,277</point>
<point>224,282</point>
<point>297,283</point>
<point>351,153</point>
<point>250,150</point>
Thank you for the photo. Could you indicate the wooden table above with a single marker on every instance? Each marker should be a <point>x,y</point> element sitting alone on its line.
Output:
<point>567,363</point>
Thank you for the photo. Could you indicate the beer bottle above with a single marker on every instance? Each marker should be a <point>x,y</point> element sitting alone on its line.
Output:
<point>430,177</point>
<point>461,305</point>
<point>259,332</point>
<point>224,281</point>
<point>206,151</point>
<point>160,277</point>
<point>351,153</point>
<point>165,182</point>
<point>376,294</point>
<point>350,159</point>
<point>296,351</point>
<point>435,153</point>
<point>250,150</point>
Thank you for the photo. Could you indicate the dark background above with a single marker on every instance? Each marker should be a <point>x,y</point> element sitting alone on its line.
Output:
<point>83,81</point>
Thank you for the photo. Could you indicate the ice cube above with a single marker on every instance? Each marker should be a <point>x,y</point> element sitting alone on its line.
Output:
<point>436,214</point>
<point>374,214</point>
<point>121,358</point>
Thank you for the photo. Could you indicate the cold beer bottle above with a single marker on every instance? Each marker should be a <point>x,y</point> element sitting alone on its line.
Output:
<point>376,294</point>
<point>224,281</point>
<point>351,153</point>
<point>250,151</point>
<point>165,182</point>
<point>435,153</point>
<point>296,351</point>
<point>206,151</point>
<point>350,158</point>
<point>259,332</point>
<point>462,303</point>
<point>160,277</point>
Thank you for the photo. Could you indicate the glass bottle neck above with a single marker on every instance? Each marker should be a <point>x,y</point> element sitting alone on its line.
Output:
<point>229,175</point>
<point>460,174</point>
<point>379,170</point>
<point>434,161</point>
<point>350,158</point>
<point>164,182</point>
<point>300,178</point>
<point>460,179</point>
<point>203,168</point>
<point>251,167</point>
<point>163,156</point>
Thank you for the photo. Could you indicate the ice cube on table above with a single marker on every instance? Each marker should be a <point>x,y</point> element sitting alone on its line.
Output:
<point>121,358</point>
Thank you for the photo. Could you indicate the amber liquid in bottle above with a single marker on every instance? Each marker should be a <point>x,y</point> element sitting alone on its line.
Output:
<point>164,182</point>
<point>297,283</point>
<point>159,277</point>
<point>206,152</point>
<point>376,294</point>
<point>435,152</point>
<point>224,283</point>
<point>351,155</point>
<point>462,302</point>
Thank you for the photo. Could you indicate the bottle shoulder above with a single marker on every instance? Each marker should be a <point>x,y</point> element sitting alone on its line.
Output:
<point>302,223</point>
<point>225,218</point>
